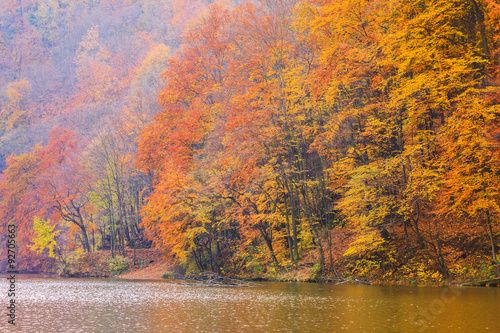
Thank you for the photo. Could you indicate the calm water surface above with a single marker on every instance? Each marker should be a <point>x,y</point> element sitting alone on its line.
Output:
<point>75,305</point>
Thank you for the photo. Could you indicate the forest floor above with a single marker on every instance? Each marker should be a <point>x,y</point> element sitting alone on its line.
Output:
<point>153,271</point>
<point>138,264</point>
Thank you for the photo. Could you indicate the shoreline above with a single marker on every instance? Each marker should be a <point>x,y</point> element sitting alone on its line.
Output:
<point>151,264</point>
<point>132,276</point>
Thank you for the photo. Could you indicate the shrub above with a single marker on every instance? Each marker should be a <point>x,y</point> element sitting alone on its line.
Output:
<point>315,272</point>
<point>118,265</point>
<point>167,275</point>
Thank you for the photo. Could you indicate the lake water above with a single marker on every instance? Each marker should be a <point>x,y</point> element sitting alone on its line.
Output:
<point>78,305</point>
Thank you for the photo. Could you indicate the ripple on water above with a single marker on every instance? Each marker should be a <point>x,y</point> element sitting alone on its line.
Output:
<point>155,306</point>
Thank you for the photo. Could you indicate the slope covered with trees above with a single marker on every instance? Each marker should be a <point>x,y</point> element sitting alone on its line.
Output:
<point>78,81</point>
<point>282,127</point>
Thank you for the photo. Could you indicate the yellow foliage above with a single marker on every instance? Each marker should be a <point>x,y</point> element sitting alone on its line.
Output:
<point>15,104</point>
<point>45,237</point>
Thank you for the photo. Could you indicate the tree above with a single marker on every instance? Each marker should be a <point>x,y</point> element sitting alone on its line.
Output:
<point>45,237</point>
<point>18,204</point>
<point>97,80</point>
<point>117,187</point>
<point>15,109</point>
<point>63,183</point>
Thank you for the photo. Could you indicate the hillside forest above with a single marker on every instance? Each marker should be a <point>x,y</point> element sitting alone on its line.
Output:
<point>350,138</point>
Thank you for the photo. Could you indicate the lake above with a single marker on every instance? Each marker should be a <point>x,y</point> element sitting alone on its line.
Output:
<point>84,305</point>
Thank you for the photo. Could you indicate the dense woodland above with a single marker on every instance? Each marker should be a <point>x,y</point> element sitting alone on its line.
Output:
<point>246,137</point>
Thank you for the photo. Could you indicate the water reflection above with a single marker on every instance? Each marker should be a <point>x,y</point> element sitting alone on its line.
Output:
<point>156,306</point>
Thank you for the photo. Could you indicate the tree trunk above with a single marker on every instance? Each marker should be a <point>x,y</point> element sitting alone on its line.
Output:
<point>269,244</point>
<point>288,235</point>
<point>492,239</point>
<point>294,220</point>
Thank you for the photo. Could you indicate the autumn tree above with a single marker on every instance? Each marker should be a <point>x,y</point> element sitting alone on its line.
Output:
<point>18,205</point>
<point>15,106</point>
<point>117,189</point>
<point>63,183</point>
<point>96,77</point>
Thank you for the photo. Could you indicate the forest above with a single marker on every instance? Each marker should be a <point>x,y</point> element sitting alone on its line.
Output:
<point>343,138</point>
